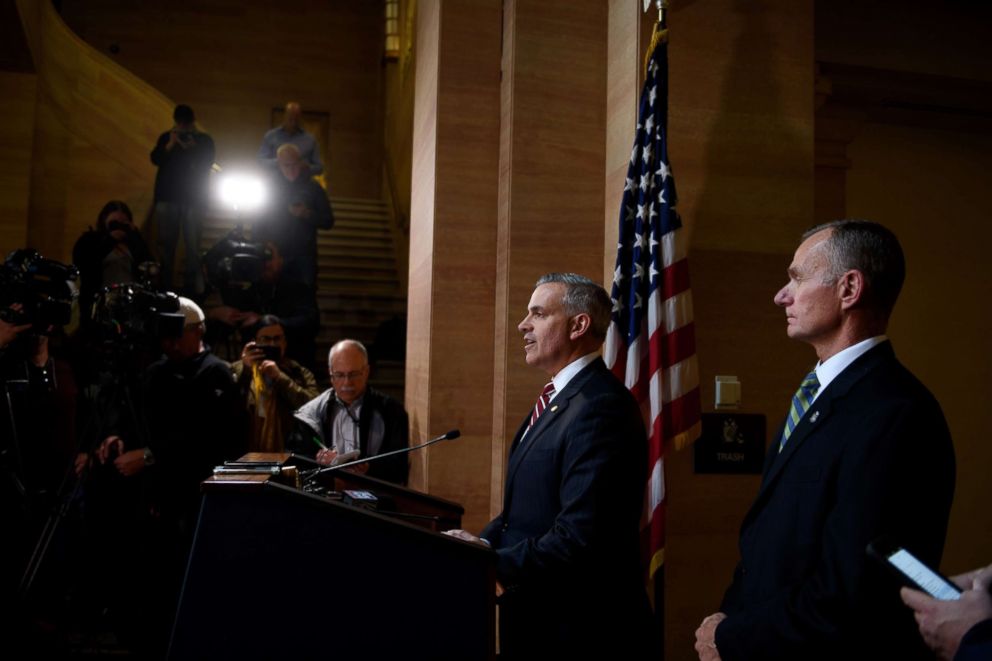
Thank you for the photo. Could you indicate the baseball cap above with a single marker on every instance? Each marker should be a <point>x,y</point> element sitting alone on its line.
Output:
<point>191,311</point>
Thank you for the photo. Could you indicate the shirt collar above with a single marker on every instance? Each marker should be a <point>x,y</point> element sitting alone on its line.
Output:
<point>354,407</point>
<point>829,370</point>
<point>568,372</point>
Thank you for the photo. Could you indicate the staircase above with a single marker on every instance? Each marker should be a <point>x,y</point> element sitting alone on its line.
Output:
<point>358,283</point>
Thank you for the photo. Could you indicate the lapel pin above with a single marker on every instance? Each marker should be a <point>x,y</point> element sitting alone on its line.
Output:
<point>554,408</point>
<point>816,414</point>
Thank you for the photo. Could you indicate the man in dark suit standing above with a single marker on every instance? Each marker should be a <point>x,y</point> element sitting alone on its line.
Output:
<point>864,452</point>
<point>567,539</point>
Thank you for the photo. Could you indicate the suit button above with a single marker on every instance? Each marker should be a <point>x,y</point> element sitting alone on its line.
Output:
<point>504,528</point>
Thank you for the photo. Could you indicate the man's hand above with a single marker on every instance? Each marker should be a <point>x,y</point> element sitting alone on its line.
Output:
<point>81,463</point>
<point>299,210</point>
<point>706,637</point>
<point>251,354</point>
<point>943,623</point>
<point>270,369</point>
<point>173,140</point>
<point>111,447</point>
<point>130,463</point>
<point>465,536</point>
<point>325,456</point>
<point>9,332</point>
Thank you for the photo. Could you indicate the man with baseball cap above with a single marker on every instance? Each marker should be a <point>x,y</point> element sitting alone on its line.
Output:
<point>193,421</point>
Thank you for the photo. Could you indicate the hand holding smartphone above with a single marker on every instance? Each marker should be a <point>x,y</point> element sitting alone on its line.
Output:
<point>912,571</point>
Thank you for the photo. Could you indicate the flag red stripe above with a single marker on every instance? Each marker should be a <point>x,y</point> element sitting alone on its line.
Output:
<point>681,414</point>
<point>675,278</point>
<point>674,347</point>
<point>656,448</point>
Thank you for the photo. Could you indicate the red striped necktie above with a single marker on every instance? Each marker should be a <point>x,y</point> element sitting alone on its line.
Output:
<point>542,403</point>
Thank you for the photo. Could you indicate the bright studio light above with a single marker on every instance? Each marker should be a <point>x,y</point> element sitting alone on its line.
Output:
<point>243,192</point>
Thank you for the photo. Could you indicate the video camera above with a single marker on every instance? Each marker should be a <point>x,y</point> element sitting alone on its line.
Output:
<point>234,261</point>
<point>43,288</point>
<point>131,313</point>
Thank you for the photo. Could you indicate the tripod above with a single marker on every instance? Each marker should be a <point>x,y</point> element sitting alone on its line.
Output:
<point>70,488</point>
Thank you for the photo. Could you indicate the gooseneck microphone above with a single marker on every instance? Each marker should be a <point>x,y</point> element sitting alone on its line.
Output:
<point>309,476</point>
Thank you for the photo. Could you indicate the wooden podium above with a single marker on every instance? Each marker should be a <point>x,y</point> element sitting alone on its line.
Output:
<point>276,572</point>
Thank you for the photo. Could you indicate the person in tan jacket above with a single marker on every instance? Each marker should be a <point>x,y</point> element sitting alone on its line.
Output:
<point>272,386</point>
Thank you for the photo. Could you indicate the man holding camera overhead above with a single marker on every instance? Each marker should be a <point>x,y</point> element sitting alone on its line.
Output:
<point>184,156</point>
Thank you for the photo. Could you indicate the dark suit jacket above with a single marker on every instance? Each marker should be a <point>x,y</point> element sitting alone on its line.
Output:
<point>567,540</point>
<point>871,457</point>
<point>977,643</point>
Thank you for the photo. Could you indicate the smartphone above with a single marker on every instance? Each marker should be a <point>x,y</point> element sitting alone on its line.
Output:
<point>270,352</point>
<point>912,571</point>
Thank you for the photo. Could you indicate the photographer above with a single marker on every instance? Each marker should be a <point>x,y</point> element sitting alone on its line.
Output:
<point>299,208</point>
<point>37,430</point>
<point>272,386</point>
<point>109,254</point>
<point>184,157</point>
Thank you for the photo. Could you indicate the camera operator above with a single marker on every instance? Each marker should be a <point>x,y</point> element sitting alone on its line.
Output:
<point>299,208</point>
<point>189,385</point>
<point>190,422</point>
<point>37,432</point>
<point>37,411</point>
<point>234,313</point>
<point>272,386</point>
<point>109,254</point>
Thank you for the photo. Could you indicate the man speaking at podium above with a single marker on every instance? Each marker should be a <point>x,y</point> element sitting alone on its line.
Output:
<point>567,539</point>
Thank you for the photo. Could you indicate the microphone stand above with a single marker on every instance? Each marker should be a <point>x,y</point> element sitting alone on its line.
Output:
<point>307,477</point>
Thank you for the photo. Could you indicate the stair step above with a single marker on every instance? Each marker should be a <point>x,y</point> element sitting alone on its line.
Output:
<point>360,233</point>
<point>370,261</point>
<point>358,244</point>
<point>362,221</point>
<point>363,215</point>
<point>387,303</point>
<point>339,251</point>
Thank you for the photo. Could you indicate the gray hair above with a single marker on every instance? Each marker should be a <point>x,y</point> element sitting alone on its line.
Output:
<point>582,295</point>
<point>873,250</point>
<point>341,344</point>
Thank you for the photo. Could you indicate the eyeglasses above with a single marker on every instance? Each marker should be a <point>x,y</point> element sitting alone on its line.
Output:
<point>269,339</point>
<point>350,376</point>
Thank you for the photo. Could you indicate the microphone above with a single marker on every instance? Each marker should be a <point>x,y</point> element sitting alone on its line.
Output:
<point>447,436</point>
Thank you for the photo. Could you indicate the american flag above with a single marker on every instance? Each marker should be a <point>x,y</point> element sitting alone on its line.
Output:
<point>651,342</point>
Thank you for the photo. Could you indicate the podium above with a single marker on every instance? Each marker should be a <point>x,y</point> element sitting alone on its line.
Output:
<point>276,572</point>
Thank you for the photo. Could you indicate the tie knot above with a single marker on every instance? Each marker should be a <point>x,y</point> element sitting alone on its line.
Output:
<point>811,383</point>
<point>549,389</point>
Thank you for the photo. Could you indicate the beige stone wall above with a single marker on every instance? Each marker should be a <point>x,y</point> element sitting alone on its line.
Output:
<point>234,62</point>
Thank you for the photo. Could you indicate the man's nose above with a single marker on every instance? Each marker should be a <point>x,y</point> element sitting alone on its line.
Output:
<point>783,298</point>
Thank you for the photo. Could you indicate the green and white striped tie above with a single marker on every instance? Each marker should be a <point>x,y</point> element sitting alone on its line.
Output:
<point>801,402</point>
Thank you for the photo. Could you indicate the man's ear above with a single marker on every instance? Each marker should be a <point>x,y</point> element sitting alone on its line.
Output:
<point>579,325</point>
<point>851,288</point>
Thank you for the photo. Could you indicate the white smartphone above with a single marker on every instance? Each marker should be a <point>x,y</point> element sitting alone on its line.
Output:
<point>912,571</point>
